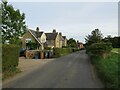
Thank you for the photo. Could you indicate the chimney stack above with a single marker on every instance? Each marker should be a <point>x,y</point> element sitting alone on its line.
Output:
<point>60,34</point>
<point>54,30</point>
<point>37,29</point>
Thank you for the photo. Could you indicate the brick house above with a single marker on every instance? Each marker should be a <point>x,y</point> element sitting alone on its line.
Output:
<point>80,45</point>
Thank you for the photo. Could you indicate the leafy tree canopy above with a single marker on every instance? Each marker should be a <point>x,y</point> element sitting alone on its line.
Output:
<point>95,37</point>
<point>72,43</point>
<point>114,40</point>
<point>13,23</point>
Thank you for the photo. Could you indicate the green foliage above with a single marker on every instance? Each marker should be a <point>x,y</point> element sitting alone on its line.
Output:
<point>64,46</point>
<point>58,52</point>
<point>95,37</point>
<point>99,48</point>
<point>48,48</point>
<point>71,43</point>
<point>116,50</point>
<point>10,73</point>
<point>106,62</point>
<point>113,40</point>
<point>95,46</point>
<point>75,49</point>
<point>13,24</point>
<point>32,45</point>
<point>61,51</point>
<point>10,57</point>
<point>108,70</point>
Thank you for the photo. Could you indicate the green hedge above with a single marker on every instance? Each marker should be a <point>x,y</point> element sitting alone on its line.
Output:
<point>62,51</point>
<point>108,70</point>
<point>98,49</point>
<point>10,57</point>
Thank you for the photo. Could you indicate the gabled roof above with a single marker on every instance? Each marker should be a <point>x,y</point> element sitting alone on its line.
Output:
<point>36,34</point>
<point>64,37</point>
<point>51,36</point>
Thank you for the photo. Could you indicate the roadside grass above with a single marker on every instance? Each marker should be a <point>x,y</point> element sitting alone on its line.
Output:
<point>9,73</point>
<point>108,70</point>
<point>116,50</point>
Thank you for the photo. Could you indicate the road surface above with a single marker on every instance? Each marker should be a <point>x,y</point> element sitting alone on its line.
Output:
<point>71,71</point>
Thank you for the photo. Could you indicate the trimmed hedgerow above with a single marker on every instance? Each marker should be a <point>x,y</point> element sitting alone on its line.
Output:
<point>99,49</point>
<point>106,63</point>
<point>10,57</point>
<point>62,51</point>
<point>108,70</point>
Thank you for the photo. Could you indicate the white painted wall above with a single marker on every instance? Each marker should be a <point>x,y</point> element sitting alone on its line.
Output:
<point>43,38</point>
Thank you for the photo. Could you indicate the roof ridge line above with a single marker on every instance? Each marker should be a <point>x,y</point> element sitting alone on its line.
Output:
<point>35,37</point>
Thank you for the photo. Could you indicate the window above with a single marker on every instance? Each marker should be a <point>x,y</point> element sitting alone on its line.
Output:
<point>28,40</point>
<point>43,40</point>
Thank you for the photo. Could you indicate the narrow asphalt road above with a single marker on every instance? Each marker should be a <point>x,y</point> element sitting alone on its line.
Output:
<point>71,71</point>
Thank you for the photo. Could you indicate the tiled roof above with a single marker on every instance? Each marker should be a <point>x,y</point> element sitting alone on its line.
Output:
<point>64,37</point>
<point>51,36</point>
<point>36,34</point>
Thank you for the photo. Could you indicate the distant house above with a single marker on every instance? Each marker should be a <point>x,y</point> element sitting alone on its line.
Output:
<point>52,40</point>
<point>80,45</point>
<point>64,41</point>
<point>34,37</point>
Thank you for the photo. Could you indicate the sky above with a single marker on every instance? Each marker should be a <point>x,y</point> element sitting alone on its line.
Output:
<point>74,19</point>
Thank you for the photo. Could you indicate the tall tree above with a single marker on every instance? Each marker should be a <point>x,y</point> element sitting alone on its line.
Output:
<point>95,37</point>
<point>72,43</point>
<point>13,23</point>
<point>114,40</point>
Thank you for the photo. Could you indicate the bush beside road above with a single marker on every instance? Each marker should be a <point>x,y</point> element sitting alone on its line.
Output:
<point>116,50</point>
<point>107,69</point>
<point>10,59</point>
<point>58,52</point>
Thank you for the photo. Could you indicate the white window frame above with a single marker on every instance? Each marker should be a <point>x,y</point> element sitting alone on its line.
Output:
<point>28,40</point>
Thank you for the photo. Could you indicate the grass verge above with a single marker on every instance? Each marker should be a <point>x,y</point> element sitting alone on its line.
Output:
<point>116,50</point>
<point>108,70</point>
<point>10,73</point>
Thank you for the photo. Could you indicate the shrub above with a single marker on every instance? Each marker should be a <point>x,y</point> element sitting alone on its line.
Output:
<point>100,49</point>
<point>10,57</point>
<point>64,47</point>
<point>32,45</point>
<point>61,51</point>
<point>108,70</point>
<point>76,49</point>
<point>47,48</point>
